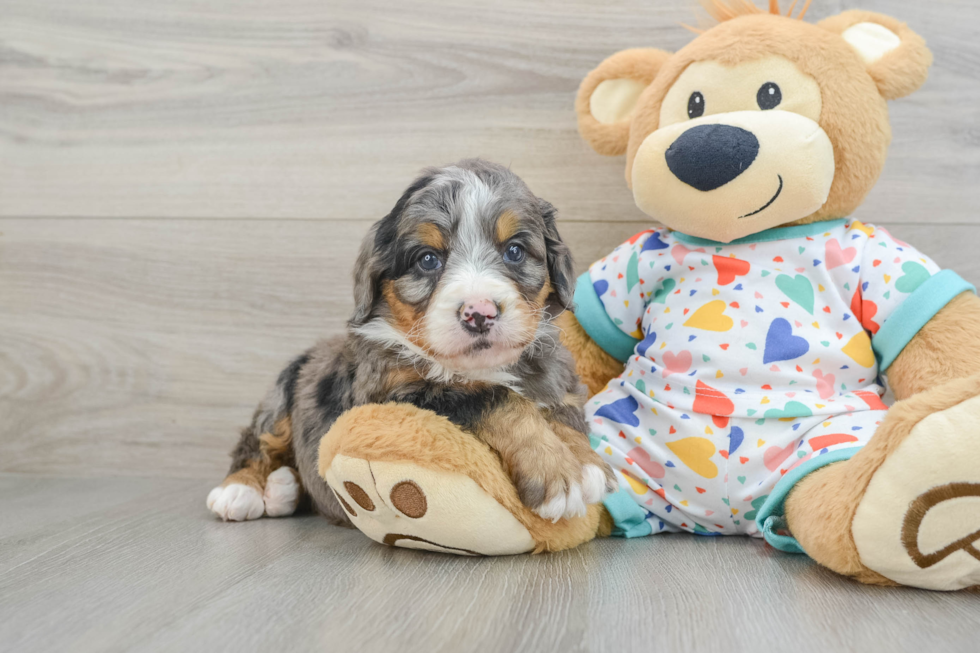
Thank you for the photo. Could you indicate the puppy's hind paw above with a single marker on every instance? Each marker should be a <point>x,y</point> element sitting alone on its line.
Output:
<point>282,492</point>
<point>236,502</point>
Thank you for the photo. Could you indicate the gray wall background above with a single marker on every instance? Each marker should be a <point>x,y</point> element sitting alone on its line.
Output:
<point>183,185</point>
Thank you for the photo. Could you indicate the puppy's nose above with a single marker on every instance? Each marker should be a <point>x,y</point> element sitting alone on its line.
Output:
<point>478,316</point>
<point>709,156</point>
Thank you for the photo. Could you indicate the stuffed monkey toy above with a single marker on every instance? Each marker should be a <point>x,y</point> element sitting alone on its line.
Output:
<point>735,356</point>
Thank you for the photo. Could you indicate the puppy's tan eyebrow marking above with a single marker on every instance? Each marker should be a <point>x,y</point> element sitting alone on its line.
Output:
<point>431,235</point>
<point>507,225</point>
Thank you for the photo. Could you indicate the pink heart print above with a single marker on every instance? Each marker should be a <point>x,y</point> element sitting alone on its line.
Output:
<point>642,458</point>
<point>835,256</point>
<point>676,364</point>
<point>897,241</point>
<point>825,384</point>
<point>775,456</point>
<point>679,252</point>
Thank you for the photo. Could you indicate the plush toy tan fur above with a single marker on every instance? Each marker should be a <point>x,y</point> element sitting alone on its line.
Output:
<point>876,517</point>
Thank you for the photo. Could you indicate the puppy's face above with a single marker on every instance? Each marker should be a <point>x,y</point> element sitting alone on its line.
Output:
<point>465,267</point>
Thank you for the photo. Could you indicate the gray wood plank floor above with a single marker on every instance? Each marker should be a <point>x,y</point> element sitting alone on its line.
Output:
<point>183,186</point>
<point>139,565</point>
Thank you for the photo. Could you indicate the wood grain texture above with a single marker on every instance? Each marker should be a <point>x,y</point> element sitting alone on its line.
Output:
<point>139,347</point>
<point>140,565</point>
<point>323,110</point>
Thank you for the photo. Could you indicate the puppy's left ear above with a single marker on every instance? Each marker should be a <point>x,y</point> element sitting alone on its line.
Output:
<point>561,269</point>
<point>896,57</point>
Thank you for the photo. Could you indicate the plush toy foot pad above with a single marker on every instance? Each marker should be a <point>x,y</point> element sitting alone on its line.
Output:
<point>404,504</point>
<point>919,520</point>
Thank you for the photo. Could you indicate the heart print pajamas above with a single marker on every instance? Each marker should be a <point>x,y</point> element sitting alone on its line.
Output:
<point>747,365</point>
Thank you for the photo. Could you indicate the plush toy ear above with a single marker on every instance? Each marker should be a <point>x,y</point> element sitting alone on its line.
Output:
<point>608,95</point>
<point>896,57</point>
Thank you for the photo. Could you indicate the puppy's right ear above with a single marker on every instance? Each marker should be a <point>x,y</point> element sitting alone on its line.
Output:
<point>367,279</point>
<point>376,253</point>
<point>608,95</point>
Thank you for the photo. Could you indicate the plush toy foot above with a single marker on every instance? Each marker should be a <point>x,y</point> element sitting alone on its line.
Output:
<point>409,478</point>
<point>913,495</point>
<point>919,521</point>
<point>404,504</point>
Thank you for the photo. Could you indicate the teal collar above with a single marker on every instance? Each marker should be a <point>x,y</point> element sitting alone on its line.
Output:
<point>776,233</point>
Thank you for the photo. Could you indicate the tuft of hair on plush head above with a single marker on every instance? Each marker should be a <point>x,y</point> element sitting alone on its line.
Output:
<point>722,10</point>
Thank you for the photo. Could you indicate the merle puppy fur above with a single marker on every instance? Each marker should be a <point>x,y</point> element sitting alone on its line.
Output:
<point>456,292</point>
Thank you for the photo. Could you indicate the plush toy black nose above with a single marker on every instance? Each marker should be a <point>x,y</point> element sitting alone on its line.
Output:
<point>709,156</point>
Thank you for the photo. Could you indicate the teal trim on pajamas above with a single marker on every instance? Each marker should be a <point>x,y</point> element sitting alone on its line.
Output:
<point>629,519</point>
<point>772,516</point>
<point>913,314</point>
<point>591,314</point>
<point>776,233</point>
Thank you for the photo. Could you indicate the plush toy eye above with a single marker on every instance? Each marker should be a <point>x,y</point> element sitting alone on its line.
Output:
<point>695,105</point>
<point>769,96</point>
<point>429,262</point>
<point>514,253</point>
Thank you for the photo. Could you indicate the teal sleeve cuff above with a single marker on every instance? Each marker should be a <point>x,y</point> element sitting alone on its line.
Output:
<point>591,314</point>
<point>913,314</point>
<point>771,518</point>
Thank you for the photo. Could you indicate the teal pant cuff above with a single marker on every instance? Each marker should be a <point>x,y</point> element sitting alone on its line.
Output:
<point>629,519</point>
<point>772,517</point>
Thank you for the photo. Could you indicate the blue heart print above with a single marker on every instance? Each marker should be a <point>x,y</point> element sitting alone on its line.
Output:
<point>646,343</point>
<point>600,286</point>
<point>621,411</point>
<point>735,439</point>
<point>781,344</point>
<point>654,242</point>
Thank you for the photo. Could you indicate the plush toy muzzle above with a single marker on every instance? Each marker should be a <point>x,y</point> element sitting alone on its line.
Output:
<point>728,175</point>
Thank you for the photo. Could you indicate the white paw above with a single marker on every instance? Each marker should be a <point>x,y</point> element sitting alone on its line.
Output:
<point>566,505</point>
<point>236,502</point>
<point>281,492</point>
<point>593,484</point>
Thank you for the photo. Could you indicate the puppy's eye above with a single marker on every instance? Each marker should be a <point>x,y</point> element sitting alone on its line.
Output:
<point>429,262</point>
<point>769,96</point>
<point>695,105</point>
<point>514,253</point>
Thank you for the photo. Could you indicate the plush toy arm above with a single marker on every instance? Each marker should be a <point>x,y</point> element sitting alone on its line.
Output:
<point>945,349</point>
<point>595,367</point>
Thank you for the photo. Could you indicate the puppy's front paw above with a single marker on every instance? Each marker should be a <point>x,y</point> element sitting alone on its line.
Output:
<point>236,502</point>
<point>567,504</point>
<point>597,482</point>
<point>560,493</point>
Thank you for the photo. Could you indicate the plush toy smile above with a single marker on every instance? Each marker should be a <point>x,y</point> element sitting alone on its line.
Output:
<point>767,204</point>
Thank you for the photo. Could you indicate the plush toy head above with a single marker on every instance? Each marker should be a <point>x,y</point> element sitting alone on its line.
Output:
<point>763,120</point>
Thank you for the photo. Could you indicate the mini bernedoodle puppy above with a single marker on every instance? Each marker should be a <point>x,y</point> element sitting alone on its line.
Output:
<point>456,293</point>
